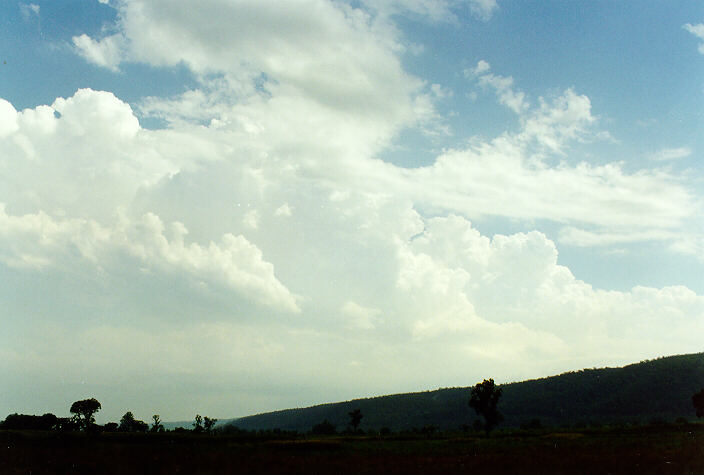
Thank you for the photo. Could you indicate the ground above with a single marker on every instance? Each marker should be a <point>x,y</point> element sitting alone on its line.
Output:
<point>654,449</point>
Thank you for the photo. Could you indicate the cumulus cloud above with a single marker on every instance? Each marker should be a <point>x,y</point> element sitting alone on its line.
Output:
<point>87,155</point>
<point>554,124</point>
<point>38,240</point>
<point>8,118</point>
<point>551,124</point>
<point>516,278</point>
<point>330,41</point>
<point>264,195</point>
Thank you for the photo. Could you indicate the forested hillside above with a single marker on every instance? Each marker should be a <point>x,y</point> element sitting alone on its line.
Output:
<point>651,390</point>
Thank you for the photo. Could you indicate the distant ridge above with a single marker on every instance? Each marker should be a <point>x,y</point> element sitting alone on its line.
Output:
<point>659,389</point>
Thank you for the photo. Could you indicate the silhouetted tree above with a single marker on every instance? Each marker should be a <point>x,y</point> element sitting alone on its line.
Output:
<point>156,424</point>
<point>198,424</point>
<point>208,424</point>
<point>484,399</point>
<point>698,403</point>
<point>129,424</point>
<point>29,422</point>
<point>83,412</point>
<point>355,418</point>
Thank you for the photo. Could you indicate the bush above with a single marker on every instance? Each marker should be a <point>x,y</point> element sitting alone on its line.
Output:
<point>324,428</point>
<point>129,424</point>
<point>110,427</point>
<point>428,430</point>
<point>29,422</point>
<point>532,424</point>
<point>67,424</point>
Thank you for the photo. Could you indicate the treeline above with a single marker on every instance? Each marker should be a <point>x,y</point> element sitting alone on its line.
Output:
<point>83,419</point>
<point>650,391</point>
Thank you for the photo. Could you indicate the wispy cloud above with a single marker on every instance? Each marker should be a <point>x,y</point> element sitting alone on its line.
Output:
<point>435,10</point>
<point>503,86</point>
<point>29,10</point>
<point>671,153</point>
<point>698,31</point>
<point>107,52</point>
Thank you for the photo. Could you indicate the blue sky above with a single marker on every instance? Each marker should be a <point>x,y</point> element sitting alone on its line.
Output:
<point>237,206</point>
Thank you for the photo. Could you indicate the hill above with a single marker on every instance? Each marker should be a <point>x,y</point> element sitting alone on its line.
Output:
<point>658,389</point>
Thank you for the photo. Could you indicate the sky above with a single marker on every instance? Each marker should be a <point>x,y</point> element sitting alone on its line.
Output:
<point>228,207</point>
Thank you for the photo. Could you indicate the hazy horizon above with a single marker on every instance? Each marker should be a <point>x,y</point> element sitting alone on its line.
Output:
<point>229,207</point>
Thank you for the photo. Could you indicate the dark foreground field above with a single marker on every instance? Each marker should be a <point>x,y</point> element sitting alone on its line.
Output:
<point>666,449</point>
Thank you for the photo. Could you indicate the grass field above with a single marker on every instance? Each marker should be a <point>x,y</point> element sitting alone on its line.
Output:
<point>652,449</point>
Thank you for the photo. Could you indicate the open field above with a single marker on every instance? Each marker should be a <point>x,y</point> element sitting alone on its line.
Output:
<point>664,449</point>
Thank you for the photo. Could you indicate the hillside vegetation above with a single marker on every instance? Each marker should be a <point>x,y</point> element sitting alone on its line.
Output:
<point>655,390</point>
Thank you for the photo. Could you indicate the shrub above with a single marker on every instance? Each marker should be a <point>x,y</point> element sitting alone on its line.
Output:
<point>324,428</point>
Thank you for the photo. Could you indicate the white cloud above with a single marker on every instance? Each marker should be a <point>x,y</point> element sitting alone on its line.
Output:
<point>8,118</point>
<point>440,92</point>
<point>251,219</point>
<point>503,178</point>
<point>360,317</point>
<point>513,284</point>
<point>37,240</point>
<point>278,74</point>
<point>29,9</point>
<point>692,244</point>
<point>283,210</point>
<point>671,153</point>
<point>481,68</point>
<point>484,9</point>
<point>277,206</point>
<point>92,159</point>
<point>503,86</point>
<point>554,124</point>
<point>434,10</point>
<point>551,124</point>
<point>583,238</point>
<point>96,113</point>
<point>106,52</point>
<point>698,31</point>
